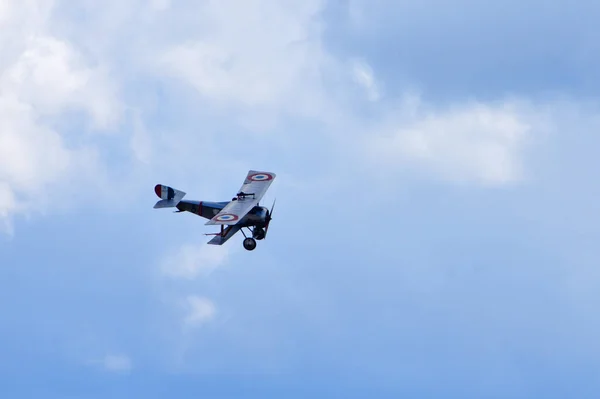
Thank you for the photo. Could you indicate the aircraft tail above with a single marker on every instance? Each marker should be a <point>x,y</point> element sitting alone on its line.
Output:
<point>169,196</point>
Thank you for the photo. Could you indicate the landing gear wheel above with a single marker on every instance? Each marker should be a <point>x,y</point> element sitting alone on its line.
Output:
<point>249,243</point>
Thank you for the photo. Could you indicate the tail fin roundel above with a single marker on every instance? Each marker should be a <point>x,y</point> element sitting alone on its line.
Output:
<point>169,196</point>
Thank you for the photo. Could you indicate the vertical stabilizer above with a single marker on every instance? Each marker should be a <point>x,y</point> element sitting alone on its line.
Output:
<point>169,196</point>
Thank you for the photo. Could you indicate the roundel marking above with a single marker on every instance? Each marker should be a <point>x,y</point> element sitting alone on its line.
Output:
<point>261,177</point>
<point>226,217</point>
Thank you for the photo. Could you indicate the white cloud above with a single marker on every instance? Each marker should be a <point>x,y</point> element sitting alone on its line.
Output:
<point>356,13</point>
<point>160,5</point>
<point>259,55</point>
<point>141,141</point>
<point>52,77</point>
<point>258,60</point>
<point>43,78</point>
<point>117,363</point>
<point>363,75</point>
<point>474,142</point>
<point>199,310</point>
<point>192,260</point>
<point>262,57</point>
<point>112,362</point>
<point>30,154</point>
<point>8,205</point>
<point>31,157</point>
<point>4,11</point>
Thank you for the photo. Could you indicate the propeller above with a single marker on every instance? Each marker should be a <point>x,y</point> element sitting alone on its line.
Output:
<point>269,217</point>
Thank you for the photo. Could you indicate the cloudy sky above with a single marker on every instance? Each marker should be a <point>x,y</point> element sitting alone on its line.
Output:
<point>436,228</point>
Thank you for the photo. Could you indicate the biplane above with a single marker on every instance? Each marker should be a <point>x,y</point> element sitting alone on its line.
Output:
<point>243,211</point>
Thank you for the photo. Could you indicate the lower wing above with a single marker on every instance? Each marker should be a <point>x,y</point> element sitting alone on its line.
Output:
<point>221,238</point>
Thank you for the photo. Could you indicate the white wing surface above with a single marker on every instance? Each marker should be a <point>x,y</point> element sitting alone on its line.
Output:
<point>254,188</point>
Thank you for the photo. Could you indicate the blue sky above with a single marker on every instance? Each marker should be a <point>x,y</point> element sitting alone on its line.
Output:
<point>436,228</point>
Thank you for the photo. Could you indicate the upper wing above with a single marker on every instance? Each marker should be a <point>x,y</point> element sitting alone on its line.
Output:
<point>257,183</point>
<point>254,188</point>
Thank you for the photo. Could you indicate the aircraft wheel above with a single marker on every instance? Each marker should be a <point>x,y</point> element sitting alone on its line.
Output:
<point>249,243</point>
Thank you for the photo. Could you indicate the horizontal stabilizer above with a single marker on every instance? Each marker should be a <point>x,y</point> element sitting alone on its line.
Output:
<point>165,204</point>
<point>169,196</point>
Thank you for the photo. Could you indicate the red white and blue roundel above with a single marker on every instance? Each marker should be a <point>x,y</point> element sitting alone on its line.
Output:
<point>261,177</point>
<point>226,217</point>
